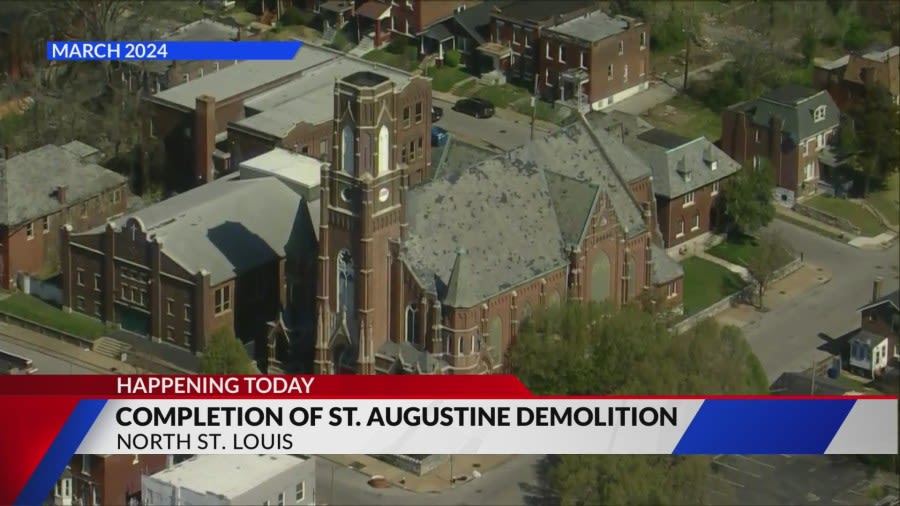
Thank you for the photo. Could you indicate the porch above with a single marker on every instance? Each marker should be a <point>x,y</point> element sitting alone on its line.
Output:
<point>498,55</point>
<point>373,20</point>
<point>336,13</point>
<point>573,89</point>
<point>437,40</point>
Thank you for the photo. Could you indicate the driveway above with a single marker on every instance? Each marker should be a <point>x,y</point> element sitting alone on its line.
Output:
<point>496,132</point>
<point>788,338</point>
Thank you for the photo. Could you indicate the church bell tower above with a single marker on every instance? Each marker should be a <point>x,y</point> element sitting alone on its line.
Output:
<point>362,210</point>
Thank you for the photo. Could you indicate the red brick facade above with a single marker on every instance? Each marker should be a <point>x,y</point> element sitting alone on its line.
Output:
<point>95,480</point>
<point>689,216</point>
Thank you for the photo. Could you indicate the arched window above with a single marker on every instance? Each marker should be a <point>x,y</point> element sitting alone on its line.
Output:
<point>345,282</point>
<point>474,344</point>
<point>340,358</point>
<point>348,150</point>
<point>459,346</point>
<point>411,326</point>
<point>496,339</point>
<point>384,151</point>
<point>600,278</point>
<point>632,278</point>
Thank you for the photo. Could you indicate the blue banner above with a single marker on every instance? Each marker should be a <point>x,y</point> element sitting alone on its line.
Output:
<point>169,51</point>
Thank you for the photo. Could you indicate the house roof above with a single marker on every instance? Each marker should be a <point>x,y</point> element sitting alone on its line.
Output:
<point>412,358</point>
<point>592,27</point>
<point>372,10</point>
<point>80,150</point>
<point>864,336</point>
<point>456,156</point>
<point>795,106</point>
<point>28,183</point>
<point>226,476</point>
<point>885,64</point>
<point>503,212</point>
<point>475,20</point>
<point>664,268</point>
<point>892,298</point>
<point>541,12</point>
<point>227,227</point>
<point>681,165</point>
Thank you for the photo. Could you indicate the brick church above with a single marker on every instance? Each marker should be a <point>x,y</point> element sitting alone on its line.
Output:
<point>436,278</point>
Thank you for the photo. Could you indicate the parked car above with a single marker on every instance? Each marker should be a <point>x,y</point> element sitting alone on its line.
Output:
<point>477,107</point>
<point>439,136</point>
<point>436,113</point>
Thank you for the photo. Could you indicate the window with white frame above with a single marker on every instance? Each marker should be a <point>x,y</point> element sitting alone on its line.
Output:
<point>280,498</point>
<point>809,171</point>
<point>609,72</point>
<point>547,77</point>
<point>527,37</point>
<point>547,51</point>
<point>672,289</point>
<point>804,148</point>
<point>680,228</point>
<point>406,29</point>
<point>561,53</point>
<point>715,188</point>
<point>625,74</point>
<point>300,491</point>
<point>223,299</point>
<point>820,142</point>
<point>643,40</point>
<point>581,59</point>
<point>185,77</point>
<point>621,47</point>
<point>643,68</point>
<point>29,231</point>
<point>688,199</point>
<point>45,225</point>
<point>696,224</point>
<point>755,161</point>
<point>515,35</point>
<point>819,113</point>
<point>756,136</point>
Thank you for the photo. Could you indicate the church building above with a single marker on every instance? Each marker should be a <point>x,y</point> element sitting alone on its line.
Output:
<point>436,278</point>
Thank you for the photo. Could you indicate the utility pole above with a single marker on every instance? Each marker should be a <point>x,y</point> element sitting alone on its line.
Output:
<point>813,385</point>
<point>533,119</point>
<point>452,481</point>
<point>687,50</point>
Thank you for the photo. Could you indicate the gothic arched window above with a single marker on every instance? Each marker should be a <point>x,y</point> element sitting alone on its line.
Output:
<point>384,151</point>
<point>411,326</point>
<point>348,150</point>
<point>496,339</point>
<point>600,278</point>
<point>346,277</point>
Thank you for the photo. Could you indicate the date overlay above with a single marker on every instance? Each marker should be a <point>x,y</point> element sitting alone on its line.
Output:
<point>171,50</point>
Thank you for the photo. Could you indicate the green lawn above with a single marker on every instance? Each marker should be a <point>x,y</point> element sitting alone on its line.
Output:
<point>31,308</point>
<point>687,117</point>
<point>466,89</point>
<point>887,200</point>
<point>408,60</point>
<point>545,110</point>
<point>736,249</point>
<point>444,78</point>
<point>850,211</point>
<point>501,96</point>
<point>706,283</point>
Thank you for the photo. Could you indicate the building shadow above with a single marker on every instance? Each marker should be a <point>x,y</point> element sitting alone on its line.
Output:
<point>837,346</point>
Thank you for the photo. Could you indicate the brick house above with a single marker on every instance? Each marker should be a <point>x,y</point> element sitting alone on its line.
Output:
<point>845,78</point>
<point>206,128</point>
<point>874,346</point>
<point>92,480</point>
<point>44,189</point>
<point>594,60</point>
<point>789,126</point>
<point>177,270</point>
<point>520,26</point>
<point>467,261</point>
<point>420,20</point>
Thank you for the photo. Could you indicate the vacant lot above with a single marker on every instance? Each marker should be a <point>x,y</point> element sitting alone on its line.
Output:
<point>686,117</point>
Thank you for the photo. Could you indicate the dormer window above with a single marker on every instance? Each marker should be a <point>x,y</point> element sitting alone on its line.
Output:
<point>819,113</point>
<point>713,165</point>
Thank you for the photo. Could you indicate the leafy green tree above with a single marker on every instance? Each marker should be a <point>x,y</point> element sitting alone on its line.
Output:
<point>594,350</point>
<point>772,253</point>
<point>747,198</point>
<point>876,136</point>
<point>225,354</point>
<point>809,44</point>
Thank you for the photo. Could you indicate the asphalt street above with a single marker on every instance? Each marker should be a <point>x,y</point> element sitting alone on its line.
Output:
<point>497,132</point>
<point>787,339</point>
<point>45,364</point>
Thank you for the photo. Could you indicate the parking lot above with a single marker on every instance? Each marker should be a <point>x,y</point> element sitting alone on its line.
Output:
<point>784,479</point>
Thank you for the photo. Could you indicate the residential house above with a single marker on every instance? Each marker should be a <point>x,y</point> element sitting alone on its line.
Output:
<point>210,257</point>
<point>421,20</point>
<point>874,346</point>
<point>207,125</point>
<point>154,76</point>
<point>233,480</point>
<point>519,26</point>
<point>467,259</point>
<point>45,189</point>
<point>788,126</point>
<point>845,78</point>
<point>471,28</point>
<point>594,60</point>
<point>92,480</point>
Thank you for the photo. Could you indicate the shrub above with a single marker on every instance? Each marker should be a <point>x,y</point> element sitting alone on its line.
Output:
<point>340,41</point>
<point>452,58</point>
<point>857,36</point>
<point>670,33</point>
<point>398,45</point>
<point>293,16</point>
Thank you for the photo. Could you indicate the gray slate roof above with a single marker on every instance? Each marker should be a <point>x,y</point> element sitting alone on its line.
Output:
<point>411,357</point>
<point>227,227</point>
<point>529,10</point>
<point>456,156</point>
<point>665,268</point>
<point>681,165</point>
<point>592,28</point>
<point>892,298</point>
<point>503,212</point>
<point>794,104</point>
<point>476,20</point>
<point>28,183</point>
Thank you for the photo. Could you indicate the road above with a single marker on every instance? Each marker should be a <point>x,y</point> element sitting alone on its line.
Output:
<point>500,133</point>
<point>46,364</point>
<point>787,339</point>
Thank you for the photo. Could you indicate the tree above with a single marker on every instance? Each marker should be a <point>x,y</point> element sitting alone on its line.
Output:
<point>595,350</point>
<point>224,354</point>
<point>772,253</point>
<point>747,198</point>
<point>877,139</point>
<point>809,44</point>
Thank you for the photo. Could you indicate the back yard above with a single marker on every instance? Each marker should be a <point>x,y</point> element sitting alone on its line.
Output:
<point>706,283</point>
<point>687,117</point>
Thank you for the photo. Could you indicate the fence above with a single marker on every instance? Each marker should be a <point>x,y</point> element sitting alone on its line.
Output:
<point>708,312</point>
<point>47,331</point>
<point>792,267</point>
<point>827,218</point>
<point>46,290</point>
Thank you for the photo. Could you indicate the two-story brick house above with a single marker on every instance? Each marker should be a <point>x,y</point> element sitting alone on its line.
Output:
<point>210,257</point>
<point>420,20</point>
<point>43,190</point>
<point>594,60</point>
<point>846,78</point>
<point>473,251</point>
<point>875,345</point>
<point>93,480</point>
<point>788,126</point>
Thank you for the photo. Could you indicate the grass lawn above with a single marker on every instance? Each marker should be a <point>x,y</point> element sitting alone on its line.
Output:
<point>687,117</point>
<point>407,61</point>
<point>241,17</point>
<point>887,200</point>
<point>38,311</point>
<point>737,250</point>
<point>466,89</point>
<point>545,111</point>
<point>444,78</point>
<point>850,211</point>
<point>706,283</point>
<point>501,96</point>
<point>292,32</point>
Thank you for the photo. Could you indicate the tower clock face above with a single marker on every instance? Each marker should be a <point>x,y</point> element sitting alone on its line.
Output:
<point>383,195</point>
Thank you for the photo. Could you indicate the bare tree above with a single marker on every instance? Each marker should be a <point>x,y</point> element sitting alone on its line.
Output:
<point>772,253</point>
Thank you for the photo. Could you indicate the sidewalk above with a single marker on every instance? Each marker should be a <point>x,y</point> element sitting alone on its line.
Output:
<point>737,269</point>
<point>438,480</point>
<point>65,351</point>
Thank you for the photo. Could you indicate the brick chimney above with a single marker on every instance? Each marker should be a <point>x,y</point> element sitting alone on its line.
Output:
<point>204,138</point>
<point>61,194</point>
<point>876,288</point>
